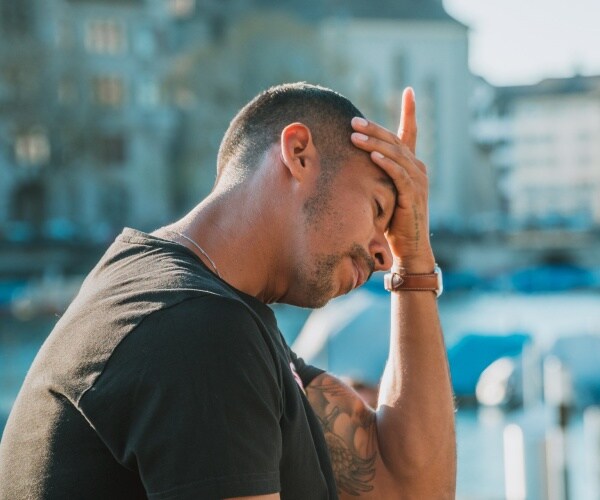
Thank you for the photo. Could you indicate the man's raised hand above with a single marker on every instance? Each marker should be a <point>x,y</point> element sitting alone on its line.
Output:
<point>408,233</point>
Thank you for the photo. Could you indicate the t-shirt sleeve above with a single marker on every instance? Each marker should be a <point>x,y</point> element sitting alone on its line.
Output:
<point>306,372</point>
<point>191,401</point>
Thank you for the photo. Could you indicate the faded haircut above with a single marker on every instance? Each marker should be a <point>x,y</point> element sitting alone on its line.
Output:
<point>259,124</point>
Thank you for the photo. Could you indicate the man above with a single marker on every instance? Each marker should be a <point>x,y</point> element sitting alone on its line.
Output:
<point>167,376</point>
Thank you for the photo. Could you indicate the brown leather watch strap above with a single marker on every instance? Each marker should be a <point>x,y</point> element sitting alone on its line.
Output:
<point>401,281</point>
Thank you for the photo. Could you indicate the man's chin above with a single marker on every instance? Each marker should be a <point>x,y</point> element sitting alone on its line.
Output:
<point>312,301</point>
<point>314,294</point>
<point>316,304</point>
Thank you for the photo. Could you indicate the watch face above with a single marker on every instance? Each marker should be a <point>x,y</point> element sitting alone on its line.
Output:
<point>392,281</point>
<point>387,282</point>
<point>440,280</point>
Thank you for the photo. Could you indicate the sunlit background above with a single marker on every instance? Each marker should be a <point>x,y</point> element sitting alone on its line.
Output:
<point>111,113</point>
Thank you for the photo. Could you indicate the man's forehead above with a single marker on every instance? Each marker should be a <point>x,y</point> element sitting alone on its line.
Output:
<point>365,162</point>
<point>387,181</point>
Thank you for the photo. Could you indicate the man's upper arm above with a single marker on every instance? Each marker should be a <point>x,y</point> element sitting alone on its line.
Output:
<point>351,435</point>
<point>191,400</point>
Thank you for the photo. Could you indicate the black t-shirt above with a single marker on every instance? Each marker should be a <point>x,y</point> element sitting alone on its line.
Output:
<point>162,381</point>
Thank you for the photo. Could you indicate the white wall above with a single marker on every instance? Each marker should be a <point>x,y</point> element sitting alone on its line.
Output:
<point>557,157</point>
<point>374,59</point>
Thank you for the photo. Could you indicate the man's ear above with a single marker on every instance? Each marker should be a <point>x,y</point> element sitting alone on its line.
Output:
<point>298,151</point>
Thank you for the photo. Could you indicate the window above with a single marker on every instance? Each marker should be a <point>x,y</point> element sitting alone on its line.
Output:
<point>67,91</point>
<point>145,43</point>
<point>108,90</point>
<point>429,131</point>
<point>64,34</point>
<point>32,148</point>
<point>585,136</point>
<point>111,149</point>
<point>105,36</point>
<point>16,17</point>
<point>28,204</point>
<point>217,27</point>
<point>12,80</point>
<point>584,159</point>
<point>114,203</point>
<point>399,70</point>
<point>181,8</point>
<point>148,93</point>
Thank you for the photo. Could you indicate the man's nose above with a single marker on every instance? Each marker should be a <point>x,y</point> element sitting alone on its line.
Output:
<point>381,253</point>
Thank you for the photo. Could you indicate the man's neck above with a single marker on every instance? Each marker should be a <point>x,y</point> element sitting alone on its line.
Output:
<point>242,240</point>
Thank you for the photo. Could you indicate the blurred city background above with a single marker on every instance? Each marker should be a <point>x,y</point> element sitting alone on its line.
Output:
<point>111,113</point>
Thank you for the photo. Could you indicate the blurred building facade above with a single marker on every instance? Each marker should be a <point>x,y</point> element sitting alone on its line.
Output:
<point>85,130</point>
<point>367,52</point>
<point>111,111</point>
<point>417,44</point>
<point>542,141</point>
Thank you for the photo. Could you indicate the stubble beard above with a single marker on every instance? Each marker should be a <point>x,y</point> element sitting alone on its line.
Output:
<point>317,284</point>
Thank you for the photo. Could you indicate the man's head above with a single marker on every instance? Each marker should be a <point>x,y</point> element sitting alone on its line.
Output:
<point>330,232</point>
<point>259,124</point>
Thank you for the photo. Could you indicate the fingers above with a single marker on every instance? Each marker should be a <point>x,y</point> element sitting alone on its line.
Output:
<point>400,176</point>
<point>397,152</point>
<point>396,160</point>
<point>407,131</point>
<point>373,129</point>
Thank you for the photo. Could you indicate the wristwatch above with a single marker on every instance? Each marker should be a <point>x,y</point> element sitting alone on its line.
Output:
<point>400,281</point>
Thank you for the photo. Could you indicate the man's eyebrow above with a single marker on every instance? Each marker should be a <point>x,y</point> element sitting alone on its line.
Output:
<point>386,181</point>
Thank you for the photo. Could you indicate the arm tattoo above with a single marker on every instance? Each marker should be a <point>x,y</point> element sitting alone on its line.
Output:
<point>346,421</point>
<point>416,215</point>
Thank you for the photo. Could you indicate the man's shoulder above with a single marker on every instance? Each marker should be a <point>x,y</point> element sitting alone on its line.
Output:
<point>142,306</point>
<point>155,263</point>
<point>206,323</point>
<point>141,274</point>
<point>207,308</point>
<point>182,343</point>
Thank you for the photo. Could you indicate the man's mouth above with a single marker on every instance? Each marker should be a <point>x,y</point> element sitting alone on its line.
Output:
<point>360,275</point>
<point>364,266</point>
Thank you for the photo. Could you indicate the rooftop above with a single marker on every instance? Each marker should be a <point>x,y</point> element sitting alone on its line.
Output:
<point>577,84</point>
<point>426,10</point>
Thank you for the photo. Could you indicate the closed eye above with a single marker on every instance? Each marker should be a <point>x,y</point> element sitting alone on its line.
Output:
<point>379,209</point>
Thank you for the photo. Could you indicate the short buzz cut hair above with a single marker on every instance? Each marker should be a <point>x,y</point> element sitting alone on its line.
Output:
<point>259,124</point>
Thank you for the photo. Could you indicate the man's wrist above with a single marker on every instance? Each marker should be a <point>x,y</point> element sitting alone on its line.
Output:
<point>401,281</point>
<point>414,265</point>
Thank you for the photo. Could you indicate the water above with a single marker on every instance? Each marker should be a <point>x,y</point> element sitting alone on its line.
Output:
<point>545,317</point>
<point>479,433</point>
<point>481,455</point>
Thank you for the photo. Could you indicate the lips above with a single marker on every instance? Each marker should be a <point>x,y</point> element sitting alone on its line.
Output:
<point>360,276</point>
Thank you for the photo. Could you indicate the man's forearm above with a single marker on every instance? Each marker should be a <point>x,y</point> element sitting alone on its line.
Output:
<point>415,416</point>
